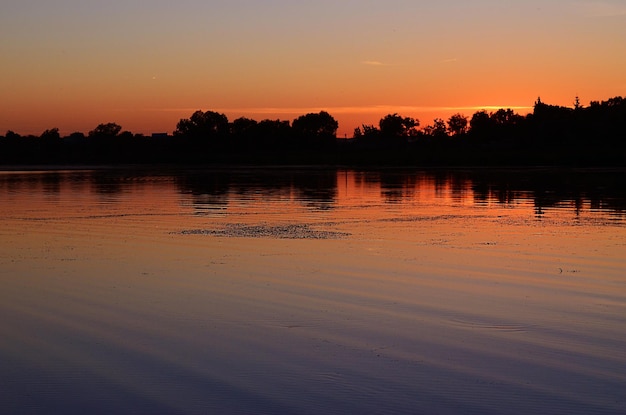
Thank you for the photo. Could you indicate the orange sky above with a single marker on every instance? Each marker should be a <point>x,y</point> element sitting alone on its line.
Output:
<point>75,64</point>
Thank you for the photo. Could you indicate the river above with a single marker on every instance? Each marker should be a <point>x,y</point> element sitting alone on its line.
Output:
<point>309,291</point>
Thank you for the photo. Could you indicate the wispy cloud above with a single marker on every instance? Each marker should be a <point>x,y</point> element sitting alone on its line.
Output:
<point>449,60</point>
<point>374,63</point>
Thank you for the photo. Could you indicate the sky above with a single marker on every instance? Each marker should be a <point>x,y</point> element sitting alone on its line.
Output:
<point>73,64</point>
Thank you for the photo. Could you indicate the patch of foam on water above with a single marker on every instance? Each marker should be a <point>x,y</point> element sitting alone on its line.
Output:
<point>291,231</point>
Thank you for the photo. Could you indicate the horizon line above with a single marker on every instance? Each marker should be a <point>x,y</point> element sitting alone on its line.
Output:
<point>339,109</point>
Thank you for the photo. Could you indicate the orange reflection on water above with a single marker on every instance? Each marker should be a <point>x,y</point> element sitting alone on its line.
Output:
<point>302,287</point>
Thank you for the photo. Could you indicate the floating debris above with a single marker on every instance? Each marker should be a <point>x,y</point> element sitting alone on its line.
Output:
<point>301,231</point>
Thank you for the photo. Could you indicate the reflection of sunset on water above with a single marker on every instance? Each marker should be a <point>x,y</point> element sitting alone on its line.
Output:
<point>391,191</point>
<point>308,290</point>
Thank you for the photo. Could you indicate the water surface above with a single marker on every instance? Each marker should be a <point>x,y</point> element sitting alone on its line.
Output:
<point>313,291</point>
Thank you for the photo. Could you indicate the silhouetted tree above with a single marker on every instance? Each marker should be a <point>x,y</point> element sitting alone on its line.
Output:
<point>321,125</point>
<point>437,129</point>
<point>51,134</point>
<point>457,124</point>
<point>615,102</point>
<point>577,104</point>
<point>543,111</point>
<point>243,127</point>
<point>504,124</point>
<point>108,130</point>
<point>50,144</point>
<point>394,125</point>
<point>11,135</point>
<point>272,135</point>
<point>607,120</point>
<point>203,125</point>
<point>506,117</point>
<point>318,131</point>
<point>480,123</point>
<point>243,131</point>
<point>369,130</point>
<point>552,124</point>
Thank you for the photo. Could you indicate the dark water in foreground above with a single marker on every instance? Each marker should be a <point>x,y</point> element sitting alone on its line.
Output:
<point>313,291</point>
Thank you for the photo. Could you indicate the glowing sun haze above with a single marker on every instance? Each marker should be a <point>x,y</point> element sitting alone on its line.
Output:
<point>73,64</point>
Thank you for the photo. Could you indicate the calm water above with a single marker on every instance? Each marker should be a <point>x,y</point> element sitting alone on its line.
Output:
<point>313,291</point>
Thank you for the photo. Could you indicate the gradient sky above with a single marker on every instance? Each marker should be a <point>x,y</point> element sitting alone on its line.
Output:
<point>73,64</point>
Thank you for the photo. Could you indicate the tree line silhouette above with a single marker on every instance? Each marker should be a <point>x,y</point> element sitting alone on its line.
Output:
<point>549,135</point>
